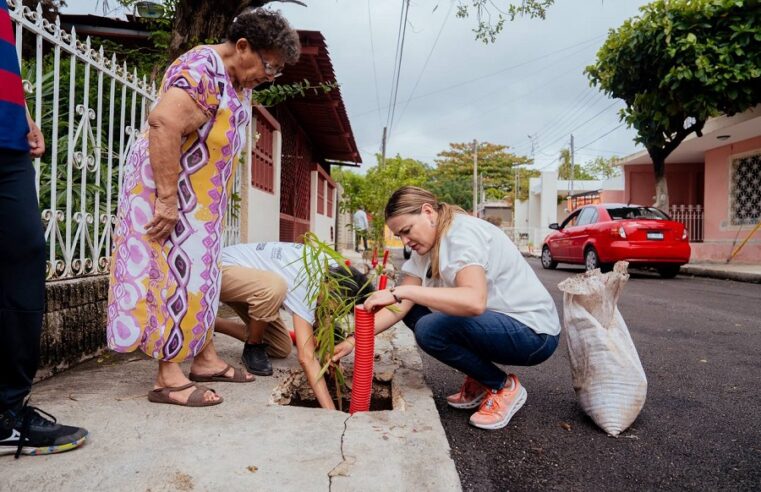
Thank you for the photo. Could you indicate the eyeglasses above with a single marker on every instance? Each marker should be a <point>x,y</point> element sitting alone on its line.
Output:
<point>269,69</point>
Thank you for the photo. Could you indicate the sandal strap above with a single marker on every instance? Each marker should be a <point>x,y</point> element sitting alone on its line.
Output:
<point>222,373</point>
<point>172,389</point>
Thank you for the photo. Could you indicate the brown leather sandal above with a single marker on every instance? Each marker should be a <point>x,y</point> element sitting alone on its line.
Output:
<point>196,399</point>
<point>239,376</point>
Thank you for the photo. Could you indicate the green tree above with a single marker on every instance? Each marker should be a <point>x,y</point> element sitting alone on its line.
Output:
<point>383,180</point>
<point>602,168</point>
<point>452,178</point>
<point>564,171</point>
<point>491,17</point>
<point>373,190</point>
<point>677,64</point>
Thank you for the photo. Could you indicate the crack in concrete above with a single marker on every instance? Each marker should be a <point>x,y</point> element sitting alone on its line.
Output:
<point>331,473</point>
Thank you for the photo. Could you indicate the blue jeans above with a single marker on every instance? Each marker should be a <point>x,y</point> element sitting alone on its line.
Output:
<point>472,344</point>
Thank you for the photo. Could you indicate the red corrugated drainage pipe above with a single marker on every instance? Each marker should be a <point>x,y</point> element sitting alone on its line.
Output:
<point>362,382</point>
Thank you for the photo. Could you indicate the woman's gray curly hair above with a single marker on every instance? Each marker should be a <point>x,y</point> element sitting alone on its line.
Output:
<point>266,29</point>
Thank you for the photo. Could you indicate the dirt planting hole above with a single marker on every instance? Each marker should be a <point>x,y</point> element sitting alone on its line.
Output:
<point>295,392</point>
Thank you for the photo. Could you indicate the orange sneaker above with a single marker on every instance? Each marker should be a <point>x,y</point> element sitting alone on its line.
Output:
<point>471,394</point>
<point>500,406</point>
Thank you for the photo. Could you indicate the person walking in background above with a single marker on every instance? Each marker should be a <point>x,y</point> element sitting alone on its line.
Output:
<point>361,227</point>
<point>165,277</point>
<point>24,429</point>
<point>472,301</point>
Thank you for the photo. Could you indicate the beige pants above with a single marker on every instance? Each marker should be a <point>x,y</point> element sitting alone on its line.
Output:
<point>258,295</point>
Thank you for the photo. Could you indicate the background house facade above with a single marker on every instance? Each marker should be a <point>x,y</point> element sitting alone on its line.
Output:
<point>714,184</point>
<point>289,190</point>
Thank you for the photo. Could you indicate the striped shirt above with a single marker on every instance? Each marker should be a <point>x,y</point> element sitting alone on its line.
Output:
<point>13,124</point>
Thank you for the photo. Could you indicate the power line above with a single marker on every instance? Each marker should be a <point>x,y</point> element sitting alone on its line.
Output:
<point>406,4</point>
<point>558,128</point>
<point>601,136</point>
<point>372,53</point>
<point>581,125</point>
<point>492,74</point>
<point>532,90</point>
<point>548,131</point>
<point>428,58</point>
<point>557,159</point>
<point>396,60</point>
<point>456,107</point>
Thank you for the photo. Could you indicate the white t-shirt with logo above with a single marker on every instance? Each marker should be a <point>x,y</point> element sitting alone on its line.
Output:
<point>284,259</point>
<point>513,287</point>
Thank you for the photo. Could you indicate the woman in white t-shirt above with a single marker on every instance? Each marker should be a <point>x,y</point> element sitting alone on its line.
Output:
<point>472,301</point>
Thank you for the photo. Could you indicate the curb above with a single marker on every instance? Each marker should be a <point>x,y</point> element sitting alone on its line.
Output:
<point>698,271</point>
<point>701,271</point>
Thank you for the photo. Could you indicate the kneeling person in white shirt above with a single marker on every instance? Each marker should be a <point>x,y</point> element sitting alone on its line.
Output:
<point>258,279</point>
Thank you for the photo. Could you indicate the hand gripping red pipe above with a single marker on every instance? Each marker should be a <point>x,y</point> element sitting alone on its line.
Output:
<point>364,351</point>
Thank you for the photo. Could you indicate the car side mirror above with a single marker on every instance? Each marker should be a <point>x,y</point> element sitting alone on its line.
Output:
<point>555,226</point>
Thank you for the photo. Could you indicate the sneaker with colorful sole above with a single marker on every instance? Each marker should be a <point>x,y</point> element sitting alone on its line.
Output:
<point>499,406</point>
<point>471,394</point>
<point>30,431</point>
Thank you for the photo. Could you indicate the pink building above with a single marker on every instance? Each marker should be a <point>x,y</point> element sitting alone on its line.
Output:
<point>714,184</point>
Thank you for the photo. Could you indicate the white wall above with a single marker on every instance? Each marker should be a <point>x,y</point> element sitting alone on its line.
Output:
<point>263,220</point>
<point>521,215</point>
<point>542,206</point>
<point>534,207</point>
<point>321,224</point>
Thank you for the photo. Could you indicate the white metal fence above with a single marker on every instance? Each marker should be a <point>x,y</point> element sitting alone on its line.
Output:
<point>89,108</point>
<point>692,218</point>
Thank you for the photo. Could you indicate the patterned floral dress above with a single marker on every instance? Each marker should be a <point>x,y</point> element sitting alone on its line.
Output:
<point>163,298</point>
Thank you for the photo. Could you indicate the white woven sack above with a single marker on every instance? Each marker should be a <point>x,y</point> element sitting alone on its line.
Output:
<point>607,374</point>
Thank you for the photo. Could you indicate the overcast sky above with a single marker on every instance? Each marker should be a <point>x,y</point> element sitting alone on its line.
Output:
<point>530,82</point>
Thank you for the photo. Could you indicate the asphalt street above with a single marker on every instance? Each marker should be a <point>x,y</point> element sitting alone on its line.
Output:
<point>699,341</point>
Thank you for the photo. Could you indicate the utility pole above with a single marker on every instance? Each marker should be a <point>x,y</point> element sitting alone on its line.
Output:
<point>481,190</point>
<point>517,187</point>
<point>475,178</point>
<point>383,148</point>
<point>573,166</point>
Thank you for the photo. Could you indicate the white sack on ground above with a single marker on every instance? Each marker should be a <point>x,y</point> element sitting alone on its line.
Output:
<point>607,374</point>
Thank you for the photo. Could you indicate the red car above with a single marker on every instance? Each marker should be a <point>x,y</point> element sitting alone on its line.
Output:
<point>597,236</point>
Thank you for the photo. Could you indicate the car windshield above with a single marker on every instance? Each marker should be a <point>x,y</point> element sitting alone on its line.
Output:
<point>622,213</point>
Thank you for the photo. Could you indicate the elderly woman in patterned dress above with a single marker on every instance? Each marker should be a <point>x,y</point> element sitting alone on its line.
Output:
<point>165,277</point>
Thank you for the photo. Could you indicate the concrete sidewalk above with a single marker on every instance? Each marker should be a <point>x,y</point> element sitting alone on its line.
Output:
<point>249,442</point>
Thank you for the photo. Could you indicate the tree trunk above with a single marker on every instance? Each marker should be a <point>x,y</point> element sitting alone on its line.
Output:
<point>661,185</point>
<point>201,21</point>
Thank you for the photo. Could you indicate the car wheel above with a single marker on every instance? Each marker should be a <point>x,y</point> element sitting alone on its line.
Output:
<point>407,253</point>
<point>591,260</point>
<point>547,262</point>
<point>668,271</point>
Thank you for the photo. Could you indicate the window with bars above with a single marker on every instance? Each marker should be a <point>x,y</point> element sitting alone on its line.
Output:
<point>331,195</point>
<point>320,194</point>
<point>745,190</point>
<point>263,165</point>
